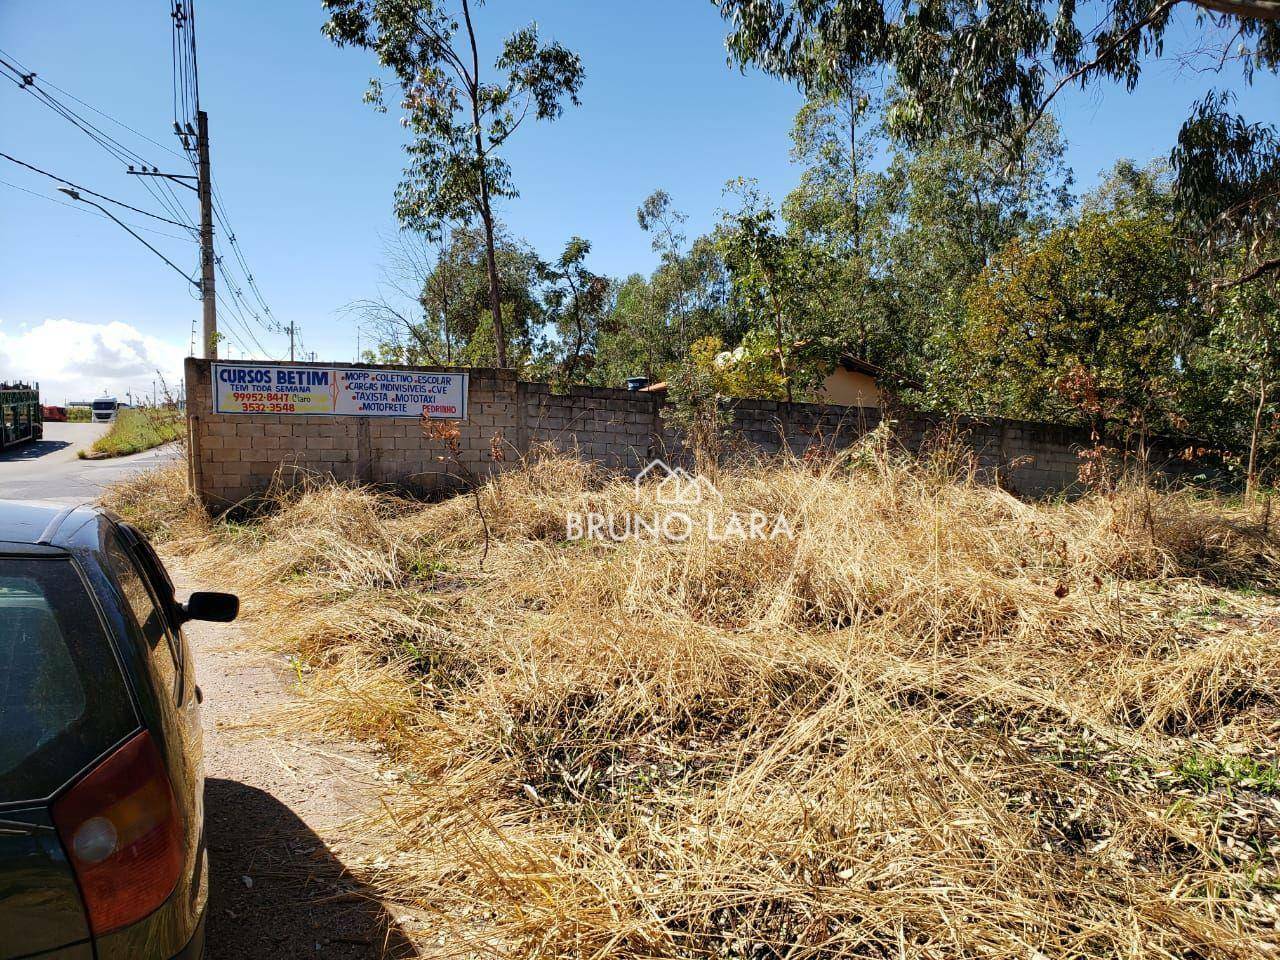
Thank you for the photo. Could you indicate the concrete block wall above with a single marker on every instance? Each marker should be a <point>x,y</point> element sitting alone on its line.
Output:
<point>236,457</point>
<point>617,428</point>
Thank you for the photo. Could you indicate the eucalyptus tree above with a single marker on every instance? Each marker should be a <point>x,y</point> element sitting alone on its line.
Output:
<point>659,218</point>
<point>834,138</point>
<point>989,70</point>
<point>460,109</point>
<point>1228,193</point>
<point>576,301</point>
<point>774,276</point>
<point>432,304</point>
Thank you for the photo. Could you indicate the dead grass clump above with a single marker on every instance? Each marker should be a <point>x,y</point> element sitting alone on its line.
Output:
<point>1200,688</point>
<point>936,721</point>
<point>159,503</point>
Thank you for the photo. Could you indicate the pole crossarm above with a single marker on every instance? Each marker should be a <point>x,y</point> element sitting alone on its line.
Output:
<point>180,178</point>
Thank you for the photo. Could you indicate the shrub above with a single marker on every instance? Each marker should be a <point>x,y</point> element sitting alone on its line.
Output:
<point>135,430</point>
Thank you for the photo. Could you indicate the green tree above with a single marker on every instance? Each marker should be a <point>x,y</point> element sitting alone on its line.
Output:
<point>630,343</point>
<point>838,205</point>
<point>459,118</point>
<point>774,274</point>
<point>1235,379</point>
<point>1228,194</point>
<point>1089,324</point>
<point>668,287</point>
<point>942,212</point>
<point>434,305</point>
<point>653,321</point>
<point>834,139</point>
<point>989,70</point>
<point>576,301</point>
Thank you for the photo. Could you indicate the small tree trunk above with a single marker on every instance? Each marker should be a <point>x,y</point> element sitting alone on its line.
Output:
<point>779,328</point>
<point>1251,475</point>
<point>495,285</point>
<point>853,163</point>
<point>486,209</point>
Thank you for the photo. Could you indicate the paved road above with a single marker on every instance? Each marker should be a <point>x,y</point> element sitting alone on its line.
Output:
<point>50,470</point>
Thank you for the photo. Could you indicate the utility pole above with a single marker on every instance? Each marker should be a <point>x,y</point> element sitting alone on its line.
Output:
<point>207,262</point>
<point>292,328</point>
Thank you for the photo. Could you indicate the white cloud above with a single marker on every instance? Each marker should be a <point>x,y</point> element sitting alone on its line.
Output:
<point>79,361</point>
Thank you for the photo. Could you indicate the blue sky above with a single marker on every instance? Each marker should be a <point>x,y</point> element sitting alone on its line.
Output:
<point>307,171</point>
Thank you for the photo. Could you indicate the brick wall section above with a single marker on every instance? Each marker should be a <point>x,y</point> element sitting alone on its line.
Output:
<point>616,428</point>
<point>235,457</point>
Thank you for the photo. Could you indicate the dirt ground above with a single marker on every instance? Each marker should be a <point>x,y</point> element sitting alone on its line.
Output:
<point>277,810</point>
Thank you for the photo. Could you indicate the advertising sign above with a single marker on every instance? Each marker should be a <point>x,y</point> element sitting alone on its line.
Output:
<point>338,391</point>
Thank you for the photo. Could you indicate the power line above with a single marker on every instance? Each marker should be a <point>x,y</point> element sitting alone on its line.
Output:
<point>186,87</point>
<point>26,80</point>
<point>49,83</point>
<point>221,211</point>
<point>94,213</point>
<point>93,193</point>
<point>233,311</point>
<point>74,195</point>
<point>186,105</point>
<point>230,335</point>
<point>163,194</point>
<point>242,305</point>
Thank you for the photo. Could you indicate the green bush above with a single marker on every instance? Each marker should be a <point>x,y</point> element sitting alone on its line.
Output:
<point>78,415</point>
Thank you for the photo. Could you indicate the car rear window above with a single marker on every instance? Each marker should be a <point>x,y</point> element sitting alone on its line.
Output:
<point>63,701</point>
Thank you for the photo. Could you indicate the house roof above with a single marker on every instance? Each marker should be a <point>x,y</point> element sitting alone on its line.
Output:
<point>855,365</point>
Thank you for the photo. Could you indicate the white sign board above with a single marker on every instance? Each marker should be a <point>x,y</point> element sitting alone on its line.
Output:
<point>338,391</point>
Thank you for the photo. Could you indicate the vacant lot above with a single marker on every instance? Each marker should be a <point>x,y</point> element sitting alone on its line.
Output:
<point>133,431</point>
<point>938,722</point>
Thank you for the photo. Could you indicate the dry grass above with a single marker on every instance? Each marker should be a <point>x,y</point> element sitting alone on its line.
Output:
<point>939,722</point>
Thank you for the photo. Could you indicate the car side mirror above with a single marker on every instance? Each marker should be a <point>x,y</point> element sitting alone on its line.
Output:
<point>215,607</point>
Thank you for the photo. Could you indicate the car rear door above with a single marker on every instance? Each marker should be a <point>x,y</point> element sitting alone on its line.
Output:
<point>64,704</point>
<point>148,598</point>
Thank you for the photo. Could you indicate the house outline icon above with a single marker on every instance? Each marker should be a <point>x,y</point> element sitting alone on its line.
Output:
<point>677,486</point>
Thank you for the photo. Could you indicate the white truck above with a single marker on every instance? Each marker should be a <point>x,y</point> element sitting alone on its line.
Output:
<point>105,409</point>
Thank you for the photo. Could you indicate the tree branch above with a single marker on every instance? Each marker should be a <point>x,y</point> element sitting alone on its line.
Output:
<point>1123,37</point>
<point>1262,269</point>
<point>1248,9</point>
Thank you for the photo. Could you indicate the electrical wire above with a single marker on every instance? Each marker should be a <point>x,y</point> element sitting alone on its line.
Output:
<point>195,64</point>
<point>186,103</point>
<point>220,211</point>
<point>242,306</point>
<point>95,213</point>
<point>89,106</point>
<point>94,193</point>
<point>269,325</point>
<point>231,312</point>
<point>25,79</point>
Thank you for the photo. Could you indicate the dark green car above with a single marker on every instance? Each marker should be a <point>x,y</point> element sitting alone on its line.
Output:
<point>102,852</point>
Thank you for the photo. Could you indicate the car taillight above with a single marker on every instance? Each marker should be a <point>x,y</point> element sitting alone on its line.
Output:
<point>120,828</point>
